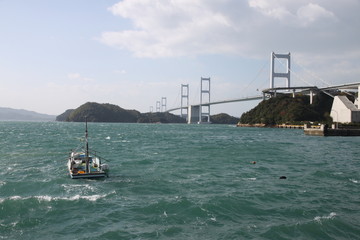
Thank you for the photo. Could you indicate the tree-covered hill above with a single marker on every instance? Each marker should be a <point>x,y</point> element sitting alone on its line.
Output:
<point>64,116</point>
<point>96,112</point>
<point>286,109</point>
<point>223,118</point>
<point>160,117</point>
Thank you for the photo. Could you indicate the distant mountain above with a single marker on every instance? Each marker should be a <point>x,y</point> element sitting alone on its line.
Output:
<point>9,114</point>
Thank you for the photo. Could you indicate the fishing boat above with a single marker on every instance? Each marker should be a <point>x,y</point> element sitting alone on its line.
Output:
<point>83,164</point>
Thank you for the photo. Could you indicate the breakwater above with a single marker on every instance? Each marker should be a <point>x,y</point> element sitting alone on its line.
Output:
<point>323,130</point>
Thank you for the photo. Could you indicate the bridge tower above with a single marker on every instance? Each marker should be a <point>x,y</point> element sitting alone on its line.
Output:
<point>163,104</point>
<point>274,74</point>
<point>204,110</point>
<point>157,106</point>
<point>184,98</point>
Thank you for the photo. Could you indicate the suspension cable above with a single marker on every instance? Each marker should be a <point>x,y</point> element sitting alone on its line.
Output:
<point>294,72</point>
<point>312,74</point>
<point>257,75</point>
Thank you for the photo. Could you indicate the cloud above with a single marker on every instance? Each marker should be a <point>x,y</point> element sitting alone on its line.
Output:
<point>313,12</point>
<point>293,13</point>
<point>199,27</point>
<point>171,28</point>
<point>268,8</point>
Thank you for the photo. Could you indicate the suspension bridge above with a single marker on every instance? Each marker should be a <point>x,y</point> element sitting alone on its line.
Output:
<point>200,113</point>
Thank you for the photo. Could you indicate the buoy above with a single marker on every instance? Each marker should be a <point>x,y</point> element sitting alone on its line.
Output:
<point>283,177</point>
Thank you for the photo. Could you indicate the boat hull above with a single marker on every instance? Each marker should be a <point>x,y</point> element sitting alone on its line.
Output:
<point>77,166</point>
<point>88,175</point>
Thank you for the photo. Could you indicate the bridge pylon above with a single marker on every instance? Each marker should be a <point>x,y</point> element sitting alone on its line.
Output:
<point>163,104</point>
<point>204,110</point>
<point>274,74</point>
<point>157,106</point>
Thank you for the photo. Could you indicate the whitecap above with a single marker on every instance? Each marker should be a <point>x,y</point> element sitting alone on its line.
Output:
<point>108,138</point>
<point>353,180</point>
<point>93,198</point>
<point>44,198</point>
<point>15,198</point>
<point>251,179</point>
<point>320,218</point>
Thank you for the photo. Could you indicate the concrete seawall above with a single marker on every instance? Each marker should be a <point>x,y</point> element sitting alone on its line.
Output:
<point>325,131</point>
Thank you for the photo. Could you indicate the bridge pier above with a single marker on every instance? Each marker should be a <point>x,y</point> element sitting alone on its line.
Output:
<point>311,96</point>
<point>358,98</point>
<point>193,114</point>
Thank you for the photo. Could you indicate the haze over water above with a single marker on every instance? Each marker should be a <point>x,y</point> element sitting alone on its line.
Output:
<point>178,182</point>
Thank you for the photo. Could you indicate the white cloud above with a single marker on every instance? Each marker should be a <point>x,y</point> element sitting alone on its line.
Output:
<point>299,13</point>
<point>270,9</point>
<point>252,28</point>
<point>313,12</point>
<point>171,28</point>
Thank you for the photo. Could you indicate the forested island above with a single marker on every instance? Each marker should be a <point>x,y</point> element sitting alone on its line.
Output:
<point>105,112</point>
<point>284,109</point>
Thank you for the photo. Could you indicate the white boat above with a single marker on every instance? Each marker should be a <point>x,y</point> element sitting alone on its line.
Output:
<point>82,164</point>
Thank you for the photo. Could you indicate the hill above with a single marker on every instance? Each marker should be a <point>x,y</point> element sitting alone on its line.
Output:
<point>160,117</point>
<point>286,109</point>
<point>9,114</point>
<point>223,118</point>
<point>96,112</point>
<point>64,116</point>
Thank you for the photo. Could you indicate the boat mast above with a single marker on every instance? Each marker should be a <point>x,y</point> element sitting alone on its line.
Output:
<point>86,147</point>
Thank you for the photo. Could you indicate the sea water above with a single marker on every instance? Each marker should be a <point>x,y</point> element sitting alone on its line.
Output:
<point>178,181</point>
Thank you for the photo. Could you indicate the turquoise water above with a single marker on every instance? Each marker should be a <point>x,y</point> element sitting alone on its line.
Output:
<point>179,182</point>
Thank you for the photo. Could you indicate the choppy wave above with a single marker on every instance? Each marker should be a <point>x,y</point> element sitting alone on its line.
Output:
<point>178,182</point>
<point>319,219</point>
<point>47,198</point>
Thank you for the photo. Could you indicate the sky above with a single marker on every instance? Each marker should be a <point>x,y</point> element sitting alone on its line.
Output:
<point>57,55</point>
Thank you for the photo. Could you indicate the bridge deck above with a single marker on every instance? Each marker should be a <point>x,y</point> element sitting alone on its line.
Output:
<point>222,102</point>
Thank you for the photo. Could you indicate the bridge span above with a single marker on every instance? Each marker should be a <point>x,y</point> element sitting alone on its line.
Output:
<point>194,111</point>
<point>200,113</point>
<point>259,97</point>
